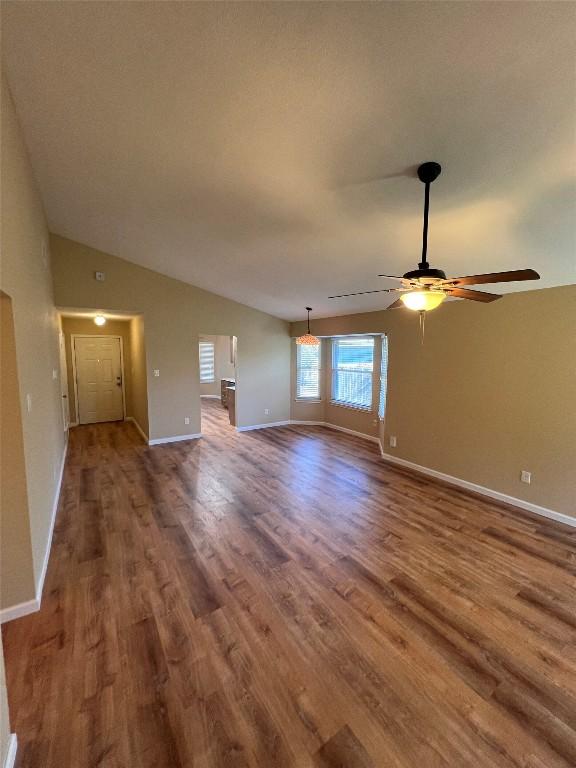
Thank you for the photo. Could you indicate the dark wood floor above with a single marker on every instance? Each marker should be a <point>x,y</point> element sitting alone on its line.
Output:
<point>284,598</point>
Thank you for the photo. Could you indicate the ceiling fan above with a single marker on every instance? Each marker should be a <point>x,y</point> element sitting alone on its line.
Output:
<point>426,288</point>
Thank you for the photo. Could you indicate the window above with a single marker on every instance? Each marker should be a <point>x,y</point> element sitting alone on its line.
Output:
<point>352,371</point>
<point>308,358</point>
<point>206,362</point>
<point>383,378</point>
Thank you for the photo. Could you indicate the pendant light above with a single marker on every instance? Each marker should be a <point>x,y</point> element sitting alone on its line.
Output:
<point>307,338</point>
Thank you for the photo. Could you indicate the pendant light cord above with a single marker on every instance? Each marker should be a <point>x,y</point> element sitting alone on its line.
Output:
<point>308,309</point>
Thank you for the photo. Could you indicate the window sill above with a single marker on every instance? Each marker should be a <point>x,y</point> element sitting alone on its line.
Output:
<point>308,400</point>
<point>351,407</point>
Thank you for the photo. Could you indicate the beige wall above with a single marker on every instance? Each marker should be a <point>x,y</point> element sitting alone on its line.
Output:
<point>325,410</point>
<point>16,562</point>
<point>175,314</point>
<point>223,368</point>
<point>86,326</point>
<point>490,393</point>
<point>139,381</point>
<point>4,714</point>
<point>26,278</point>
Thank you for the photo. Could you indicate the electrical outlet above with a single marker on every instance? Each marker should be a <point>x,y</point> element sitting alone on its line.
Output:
<point>156,372</point>
<point>392,441</point>
<point>526,477</point>
<point>100,276</point>
<point>266,411</point>
<point>186,419</point>
<point>54,374</point>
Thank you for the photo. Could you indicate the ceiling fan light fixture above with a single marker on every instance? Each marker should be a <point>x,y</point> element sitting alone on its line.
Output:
<point>308,339</point>
<point>422,301</point>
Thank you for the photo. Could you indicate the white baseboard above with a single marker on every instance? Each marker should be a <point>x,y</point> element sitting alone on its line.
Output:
<point>40,584</point>
<point>482,490</point>
<point>175,439</point>
<point>30,606</point>
<point>363,435</point>
<point>250,427</point>
<point>138,427</point>
<point>19,610</point>
<point>10,759</point>
<point>298,423</point>
<point>73,424</point>
<point>211,397</point>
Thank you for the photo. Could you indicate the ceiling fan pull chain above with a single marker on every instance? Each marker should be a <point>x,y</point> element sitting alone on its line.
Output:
<point>422,316</point>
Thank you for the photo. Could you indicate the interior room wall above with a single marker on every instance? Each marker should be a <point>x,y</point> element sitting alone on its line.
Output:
<point>324,410</point>
<point>26,278</point>
<point>86,326</point>
<point>4,714</point>
<point>175,314</point>
<point>356,419</point>
<point>223,367</point>
<point>139,379</point>
<point>308,410</point>
<point>491,391</point>
<point>16,561</point>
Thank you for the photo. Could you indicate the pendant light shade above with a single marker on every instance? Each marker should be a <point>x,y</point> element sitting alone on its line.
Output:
<point>307,338</point>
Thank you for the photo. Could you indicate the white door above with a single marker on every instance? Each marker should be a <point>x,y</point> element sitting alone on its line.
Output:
<point>98,379</point>
<point>64,383</point>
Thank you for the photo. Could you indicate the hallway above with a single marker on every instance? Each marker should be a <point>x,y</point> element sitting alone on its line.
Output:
<point>215,420</point>
<point>285,599</point>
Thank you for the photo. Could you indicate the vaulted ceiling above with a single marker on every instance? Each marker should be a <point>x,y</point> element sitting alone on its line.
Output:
<point>267,151</point>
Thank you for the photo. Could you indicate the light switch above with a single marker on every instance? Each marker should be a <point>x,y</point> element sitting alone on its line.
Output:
<point>100,276</point>
<point>54,374</point>
<point>29,403</point>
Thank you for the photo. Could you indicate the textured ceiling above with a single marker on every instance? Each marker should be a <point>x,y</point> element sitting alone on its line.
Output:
<point>266,151</point>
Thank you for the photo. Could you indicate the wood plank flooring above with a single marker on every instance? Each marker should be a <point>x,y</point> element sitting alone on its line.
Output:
<point>283,598</point>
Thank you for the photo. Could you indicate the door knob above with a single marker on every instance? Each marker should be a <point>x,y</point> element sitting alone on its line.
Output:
<point>119,380</point>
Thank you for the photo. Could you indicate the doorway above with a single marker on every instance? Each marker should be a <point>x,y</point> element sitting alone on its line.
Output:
<point>217,358</point>
<point>98,378</point>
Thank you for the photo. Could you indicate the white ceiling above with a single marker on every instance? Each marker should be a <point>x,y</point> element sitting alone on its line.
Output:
<point>266,151</point>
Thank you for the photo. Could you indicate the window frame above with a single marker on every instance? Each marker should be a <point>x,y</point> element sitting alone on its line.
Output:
<point>312,398</point>
<point>334,370</point>
<point>207,344</point>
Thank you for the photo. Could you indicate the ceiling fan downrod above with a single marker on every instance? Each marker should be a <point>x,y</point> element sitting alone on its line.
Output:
<point>427,173</point>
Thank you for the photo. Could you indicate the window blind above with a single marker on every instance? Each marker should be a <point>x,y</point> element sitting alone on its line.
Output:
<point>308,359</point>
<point>352,370</point>
<point>206,362</point>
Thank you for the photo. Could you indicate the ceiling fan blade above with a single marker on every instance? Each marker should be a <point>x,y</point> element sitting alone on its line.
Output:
<point>395,304</point>
<point>495,277</point>
<point>465,293</point>
<point>361,293</point>
<point>392,277</point>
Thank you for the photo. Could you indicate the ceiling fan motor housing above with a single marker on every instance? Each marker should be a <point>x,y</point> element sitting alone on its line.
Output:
<point>425,275</point>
